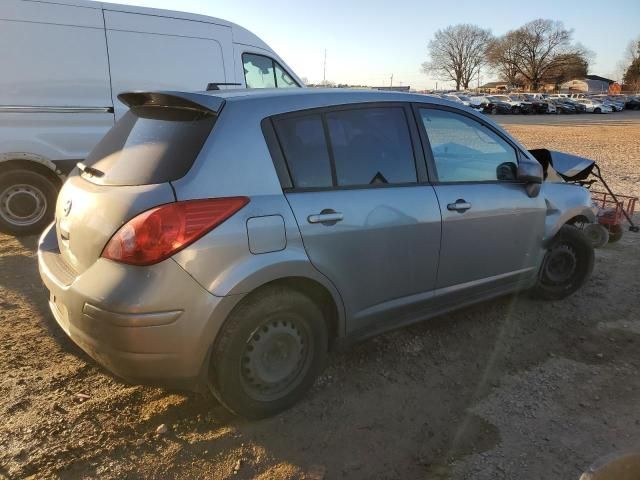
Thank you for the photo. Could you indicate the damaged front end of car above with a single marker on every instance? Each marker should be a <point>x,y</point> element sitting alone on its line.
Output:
<point>562,170</point>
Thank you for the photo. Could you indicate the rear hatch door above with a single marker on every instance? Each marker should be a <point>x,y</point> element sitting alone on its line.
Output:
<point>128,172</point>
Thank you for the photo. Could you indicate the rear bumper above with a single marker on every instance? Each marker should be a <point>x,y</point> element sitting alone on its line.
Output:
<point>150,324</point>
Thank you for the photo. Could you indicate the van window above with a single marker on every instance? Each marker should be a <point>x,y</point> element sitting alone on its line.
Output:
<point>150,145</point>
<point>371,146</point>
<point>305,149</point>
<point>261,71</point>
<point>464,150</point>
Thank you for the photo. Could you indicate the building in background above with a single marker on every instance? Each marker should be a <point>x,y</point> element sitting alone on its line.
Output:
<point>590,84</point>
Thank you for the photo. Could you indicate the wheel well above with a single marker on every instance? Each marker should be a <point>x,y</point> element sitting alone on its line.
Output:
<point>578,219</point>
<point>32,166</point>
<point>320,296</point>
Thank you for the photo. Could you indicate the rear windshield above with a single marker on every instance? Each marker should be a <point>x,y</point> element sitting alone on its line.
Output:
<point>150,145</point>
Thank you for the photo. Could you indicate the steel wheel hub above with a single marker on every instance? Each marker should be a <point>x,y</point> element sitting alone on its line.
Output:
<point>274,356</point>
<point>22,204</point>
<point>561,264</point>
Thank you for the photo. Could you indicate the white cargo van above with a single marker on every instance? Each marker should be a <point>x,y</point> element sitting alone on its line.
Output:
<point>63,64</point>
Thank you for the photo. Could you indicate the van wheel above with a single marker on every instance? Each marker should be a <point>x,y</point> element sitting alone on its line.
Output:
<point>268,353</point>
<point>27,202</point>
<point>566,266</point>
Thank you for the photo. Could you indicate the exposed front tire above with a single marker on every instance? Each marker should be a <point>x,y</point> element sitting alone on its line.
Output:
<point>27,201</point>
<point>268,353</point>
<point>597,234</point>
<point>567,265</point>
<point>597,110</point>
<point>615,233</point>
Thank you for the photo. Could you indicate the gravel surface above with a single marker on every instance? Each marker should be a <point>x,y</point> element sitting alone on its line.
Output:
<point>511,388</point>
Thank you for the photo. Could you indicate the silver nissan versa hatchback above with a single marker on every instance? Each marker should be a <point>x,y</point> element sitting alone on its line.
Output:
<point>229,239</point>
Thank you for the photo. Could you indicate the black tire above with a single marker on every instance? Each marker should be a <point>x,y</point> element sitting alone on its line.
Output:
<point>515,110</point>
<point>494,111</point>
<point>597,110</point>
<point>269,332</point>
<point>567,265</point>
<point>597,234</point>
<point>27,202</point>
<point>615,233</point>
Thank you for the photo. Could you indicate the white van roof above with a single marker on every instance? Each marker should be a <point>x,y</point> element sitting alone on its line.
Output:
<point>240,34</point>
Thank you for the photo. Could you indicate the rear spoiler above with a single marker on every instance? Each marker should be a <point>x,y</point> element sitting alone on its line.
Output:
<point>569,167</point>
<point>191,101</point>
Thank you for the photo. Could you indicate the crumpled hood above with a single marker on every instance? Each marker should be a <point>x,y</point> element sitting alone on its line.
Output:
<point>569,167</point>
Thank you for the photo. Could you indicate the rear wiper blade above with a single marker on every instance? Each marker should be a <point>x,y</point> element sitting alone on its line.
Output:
<point>94,172</point>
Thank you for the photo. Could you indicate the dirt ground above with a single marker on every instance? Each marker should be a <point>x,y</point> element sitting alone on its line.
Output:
<point>512,388</point>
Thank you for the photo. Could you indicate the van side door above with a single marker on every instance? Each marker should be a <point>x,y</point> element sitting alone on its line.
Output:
<point>148,52</point>
<point>368,219</point>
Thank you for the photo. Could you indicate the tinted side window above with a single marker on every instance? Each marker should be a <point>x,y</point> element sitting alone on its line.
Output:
<point>305,149</point>
<point>371,146</point>
<point>261,71</point>
<point>464,150</point>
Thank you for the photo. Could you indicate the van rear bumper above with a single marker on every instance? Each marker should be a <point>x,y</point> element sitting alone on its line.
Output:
<point>151,324</point>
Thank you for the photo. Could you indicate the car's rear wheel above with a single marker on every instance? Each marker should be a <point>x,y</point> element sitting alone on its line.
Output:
<point>268,353</point>
<point>27,202</point>
<point>597,110</point>
<point>567,265</point>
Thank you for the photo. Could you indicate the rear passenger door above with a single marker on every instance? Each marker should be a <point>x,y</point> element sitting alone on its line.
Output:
<point>368,220</point>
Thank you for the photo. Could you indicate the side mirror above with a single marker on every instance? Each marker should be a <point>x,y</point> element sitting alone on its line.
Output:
<point>531,173</point>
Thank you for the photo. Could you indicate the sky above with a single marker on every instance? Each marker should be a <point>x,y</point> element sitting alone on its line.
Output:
<point>368,42</point>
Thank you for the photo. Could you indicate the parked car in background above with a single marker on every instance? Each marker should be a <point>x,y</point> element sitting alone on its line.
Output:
<point>632,103</point>
<point>579,107</point>
<point>563,105</point>
<point>273,225</point>
<point>64,64</point>
<point>460,97</point>
<point>494,105</point>
<point>594,106</point>
<point>533,103</point>
<point>515,105</point>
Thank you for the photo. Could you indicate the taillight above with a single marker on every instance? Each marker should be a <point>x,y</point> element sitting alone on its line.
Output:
<point>158,233</point>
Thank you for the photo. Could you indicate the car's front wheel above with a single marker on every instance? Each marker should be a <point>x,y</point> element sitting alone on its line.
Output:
<point>567,264</point>
<point>268,353</point>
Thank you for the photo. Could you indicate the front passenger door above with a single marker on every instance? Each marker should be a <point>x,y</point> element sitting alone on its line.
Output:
<point>491,229</point>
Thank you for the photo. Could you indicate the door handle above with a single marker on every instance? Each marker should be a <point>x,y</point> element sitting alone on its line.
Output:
<point>461,205</point>
<point>326,216</point>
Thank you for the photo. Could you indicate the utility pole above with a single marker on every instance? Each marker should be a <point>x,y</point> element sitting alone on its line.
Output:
<point>324,68</point>
<point>478,79</point>
<point>391,82</point>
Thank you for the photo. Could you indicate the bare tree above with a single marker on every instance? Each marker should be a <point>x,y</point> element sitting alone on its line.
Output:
<point>537,51</point>
<point>502,56</point>
<point>457,52</point>
<point>631,77</point>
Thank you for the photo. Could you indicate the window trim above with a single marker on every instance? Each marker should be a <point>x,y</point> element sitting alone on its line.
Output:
<point>274,63</point>
<point>428,153</point>
<point>282,165</point>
